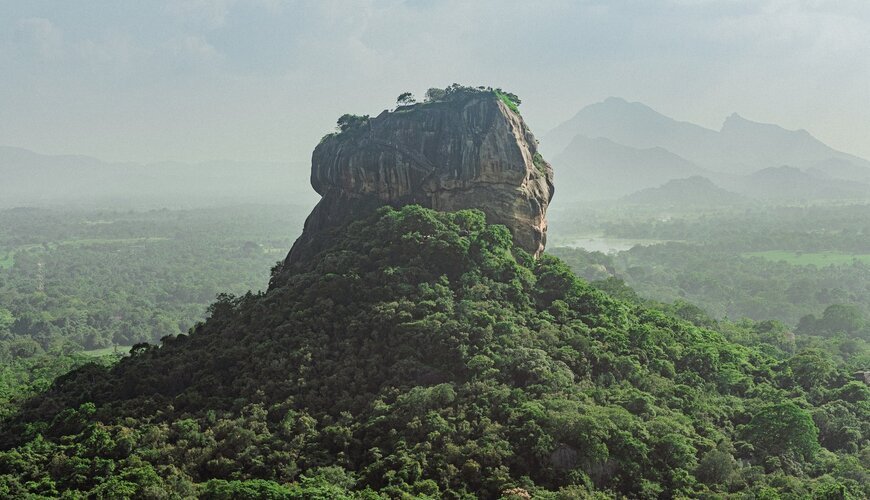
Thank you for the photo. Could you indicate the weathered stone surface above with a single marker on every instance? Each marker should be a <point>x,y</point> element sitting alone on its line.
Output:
<point>471,151</point>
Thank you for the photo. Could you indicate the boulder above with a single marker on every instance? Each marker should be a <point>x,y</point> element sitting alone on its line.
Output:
<point>467,150</point>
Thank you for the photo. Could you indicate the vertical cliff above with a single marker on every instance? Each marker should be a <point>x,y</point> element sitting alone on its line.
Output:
<point>468,150</point>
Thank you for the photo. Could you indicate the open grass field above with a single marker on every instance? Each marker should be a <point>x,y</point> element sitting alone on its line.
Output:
<point>818,259</point>
<point>121,349</point>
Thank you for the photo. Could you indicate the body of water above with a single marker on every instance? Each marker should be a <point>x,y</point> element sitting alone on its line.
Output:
<point>602,244</point>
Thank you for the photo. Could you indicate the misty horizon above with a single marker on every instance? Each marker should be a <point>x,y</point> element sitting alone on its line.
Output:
<point>264,80</point>
<point>304,158</point>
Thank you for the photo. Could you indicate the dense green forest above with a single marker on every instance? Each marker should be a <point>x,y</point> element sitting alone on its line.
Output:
<point>727,285</point>
<point>780,263</point>
<point>77,283</point>
<point>813,228</point>
<point>422,355</point>
<point>74,280</point>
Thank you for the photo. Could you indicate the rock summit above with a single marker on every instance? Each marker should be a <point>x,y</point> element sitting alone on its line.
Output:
<point>466,148</point>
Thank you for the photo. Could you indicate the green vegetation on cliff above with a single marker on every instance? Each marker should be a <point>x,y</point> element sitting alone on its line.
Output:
<point>421,354</point>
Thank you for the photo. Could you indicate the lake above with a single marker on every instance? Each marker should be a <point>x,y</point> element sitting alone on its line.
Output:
<point>602,244</point>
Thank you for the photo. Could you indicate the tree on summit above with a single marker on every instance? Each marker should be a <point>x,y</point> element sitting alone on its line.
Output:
<point>405,99</point>
<point>348,122</point>
<point>435,94</point>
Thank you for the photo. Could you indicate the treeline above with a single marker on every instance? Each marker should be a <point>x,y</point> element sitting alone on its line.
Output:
<point>799,229</point>
<point>728,285</point>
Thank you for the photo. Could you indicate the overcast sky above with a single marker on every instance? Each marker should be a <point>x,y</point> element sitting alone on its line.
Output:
<point>196,80</point>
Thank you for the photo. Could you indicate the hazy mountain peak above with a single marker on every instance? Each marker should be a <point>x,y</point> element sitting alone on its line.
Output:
<point>694,190</point>
<point>600,168</point>
<point>625,108</point>
<point>628,123</point>
<point>733,119</point>
<point>741,146</point>
<point>736,122</point>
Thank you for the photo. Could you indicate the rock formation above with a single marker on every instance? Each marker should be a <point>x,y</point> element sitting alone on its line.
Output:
<point>469,149</point>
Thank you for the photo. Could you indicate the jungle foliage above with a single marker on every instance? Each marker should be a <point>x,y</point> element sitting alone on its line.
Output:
<point>423,355</point>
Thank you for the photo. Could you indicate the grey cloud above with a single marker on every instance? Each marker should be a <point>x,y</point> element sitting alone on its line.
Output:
<point>264,79</point>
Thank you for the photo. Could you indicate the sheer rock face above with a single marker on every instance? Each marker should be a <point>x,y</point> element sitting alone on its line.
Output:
<point>469,152</point>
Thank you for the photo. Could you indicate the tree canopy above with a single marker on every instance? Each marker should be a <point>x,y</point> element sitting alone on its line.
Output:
<point>421,354</point>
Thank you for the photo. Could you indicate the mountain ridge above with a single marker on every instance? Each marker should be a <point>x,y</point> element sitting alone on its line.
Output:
<point>603,168</point>
<point>695,190</point>
<point>637,125</point>
<point>740,148</point>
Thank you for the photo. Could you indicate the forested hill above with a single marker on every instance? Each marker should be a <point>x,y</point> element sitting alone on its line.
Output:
<point>421,354</point>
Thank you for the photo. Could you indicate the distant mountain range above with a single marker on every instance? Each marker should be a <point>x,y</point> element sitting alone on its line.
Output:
<point>613,148</point>
<point>790,183</point>
<point>29,178</point>
<point>607,151</point>
<point>691,191</point>
<point>608,170</point>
